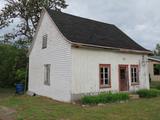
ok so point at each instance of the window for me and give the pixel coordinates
(105, 75)
(134, 74)
(47, 74)
(156, 68)
(44, 41)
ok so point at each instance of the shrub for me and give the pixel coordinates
(13, 60)
(105, 98)
(145, 93)
(20, 75)
(157, 87)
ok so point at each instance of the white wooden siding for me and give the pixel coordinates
(58, 54)
(85, 65)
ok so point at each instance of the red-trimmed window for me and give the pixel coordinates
(134, 74)
(105, 75)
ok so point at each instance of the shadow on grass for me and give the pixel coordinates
(6, 92)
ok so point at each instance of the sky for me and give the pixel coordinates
(140, 19)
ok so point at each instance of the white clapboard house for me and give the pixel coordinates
(72, 56)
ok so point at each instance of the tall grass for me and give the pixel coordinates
(145, 93)
(105, 98)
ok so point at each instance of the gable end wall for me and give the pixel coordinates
(58, 54)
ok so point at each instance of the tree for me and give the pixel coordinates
(13, 63)
(29, 13)
(157, 50)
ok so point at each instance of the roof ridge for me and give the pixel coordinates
(90, 19)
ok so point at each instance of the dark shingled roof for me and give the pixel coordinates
(86, 31)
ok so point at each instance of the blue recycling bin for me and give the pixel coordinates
(20, 88)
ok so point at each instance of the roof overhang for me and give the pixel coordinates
(77, 45)
(153, 59)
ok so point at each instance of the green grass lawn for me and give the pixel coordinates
(40, 108)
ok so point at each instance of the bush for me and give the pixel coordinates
(13, 62)
(105, 98)
(145, 93)
(20, 76)
(157, 87)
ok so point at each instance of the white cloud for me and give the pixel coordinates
(2, 4)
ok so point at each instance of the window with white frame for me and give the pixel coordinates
(47, 74)
(134, 74)
(44, 41)
(105, 75)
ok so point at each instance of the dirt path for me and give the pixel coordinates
(7, 113)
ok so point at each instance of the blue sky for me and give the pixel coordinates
(137, 18)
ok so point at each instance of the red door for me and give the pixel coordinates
(123, 78)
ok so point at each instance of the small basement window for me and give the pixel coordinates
(105, 75)
(44, 41)
(134, 74)
(156, 69)
(47, 74)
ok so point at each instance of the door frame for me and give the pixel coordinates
(127, 68)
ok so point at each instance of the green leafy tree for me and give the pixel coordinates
(28, 11)
(13, 63)
(157, 50)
